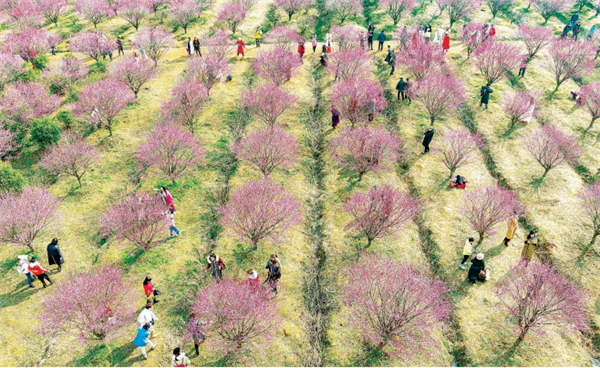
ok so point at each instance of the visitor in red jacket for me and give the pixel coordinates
(150, 292)
(215, 265)
(253, 279)
(36, 268)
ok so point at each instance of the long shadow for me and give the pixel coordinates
(370, 356)
(19, 295)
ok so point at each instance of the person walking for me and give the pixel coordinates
(324, 49)
(323, 59)
(523, 67)
(179, 359)
(197, 331)
(566, 30)
(53, 50)
(274, 272)
(485, 95)
(468, 249)
(529, 247)
(143, 338)
(476, 269)
(189, 47)
(437, 37)
(335, 117)
(574, 18)
(257, 36)
(428, 136)
(147, 316)
(408, 84)
(55, 257)
(492, 31)
(197, 47)
(301, 50)
(428, 32)
(241, 47)
(576, 30)
(380, 40)
(446, 43)
(513, 221)
(361, 40)
(401, 88)
(23, 268)
(313, 42)
(216, 266)
(253, 279)
(328, 41)
(150, 291)
(120, 47)
(392, 59)
(591, 33)
(370, 34)
(171, 219)
(40, 272)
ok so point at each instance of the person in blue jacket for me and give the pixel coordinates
(381, 40)
(143, 338)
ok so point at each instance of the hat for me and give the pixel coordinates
(479, 256)
(34, 258)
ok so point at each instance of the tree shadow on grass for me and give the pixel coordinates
(369, 356)
(101, 356)
(496, 251)
(21, 293)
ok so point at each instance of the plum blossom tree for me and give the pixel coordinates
(535, 38)
(92, 43)
(536, 295)
(23, 216)
(421, 58)
(380, 212)
(550, 148)
(516, 105)
(72, 156)
(218, 45)
(459, 148)
(98, 304)
(290, 7)
(579, 4)
(240, 316)
(186, 104)
(22, 13)
(276, 65)
(494, 59)
(155, 42)
(95, 11)
(357, 99)
(260, 209)
(268, 102)
(471, 36)
(134, 11)
(53, 9)
(349, 64)
(395, 306)
(172, 150)
(344, 8)
(486, 207)
(133, 72)
(11, 67)
(590, 99)
(549, 8)
(397, 8)
(208, 70)
(365, 149)
(284, 37)
(500, 6)
(184, 12)
(23, 102)
(459, 9)
(590, 209)
(66, 72)
(439, 93)
(267, 149)
(347, 37)
(100, 103)
(248, 4)
(139, 219)
(569, 58)
(232, 14)
(157, 3)
(7, 144)
(30, 42)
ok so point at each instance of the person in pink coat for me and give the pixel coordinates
(241, 47)
(446, 43)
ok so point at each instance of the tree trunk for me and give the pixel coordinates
(369, 241)
(78, 180)
(480, 240)
(360, 176)
(592, 242)
(30, 247)
(589, 127)
(109, 130)
(290, 16)
(544, 175)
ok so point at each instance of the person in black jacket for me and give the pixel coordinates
(381, 40)
(55, 257)
(427, 139)
(477, 266)
(197, 46)
(370, 34)
(401, 88)
(485, 95)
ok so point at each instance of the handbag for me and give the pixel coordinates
(157, 292)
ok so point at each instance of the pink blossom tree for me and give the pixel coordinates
(7, 144)
(535, 38)
(185, 106)
(439, 93)
(184, 12)
(53, 9)
(276, 65)
(92, 43)
(550, 148)
(100, 103)
(218, 45)
(518, 104)
(459, 9)
(397, 8)
(139, 219)
(590, 99)
(155, 42)
(66, 72)
(260, 209)
(239, 316)
(549, 8)
(284, 37)
(23, 102)
(344, 8)
(471, 36)
(134, 11)
(380, 212)
(349, 64)
(98, 304)
(365, 149)
(208, 70)
(590, 209)
(30, 42)
(569, 58)
(290, 7)
(23, 216)
(536, 295)
(22, 13)
(72, 156)
(421, 58)
(267, 149)
(459, 148)
(233, 14)
(394, 306)
(486, 207)
(357, 99)
(268, 102)
(172, 150)
(95, 11)
(157, 3)
(500, 6)
(494, 59)
(11, 67)
(133, 72)
(347, 37)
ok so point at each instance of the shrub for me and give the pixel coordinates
(44, 132)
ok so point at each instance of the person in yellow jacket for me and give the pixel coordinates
(468, 249)
(512, 227)
(257, 36)
(529, 247)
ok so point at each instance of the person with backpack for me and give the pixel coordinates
(381, 40)
(197, 332)
(529, 247)
(150, 291)
(485, 95)
(468, 249)
(40, 272)
(428, 136)
(215, 265)
(513, 221)
(477, 270)
(55, 257)
(23, 268)
(274, 272)
(143, 338)
(179, 359)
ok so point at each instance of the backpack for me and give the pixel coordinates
(482, 92)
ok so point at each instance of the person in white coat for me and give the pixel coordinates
(23, 268)
(148, 316)
(437, 37)
(190, 46)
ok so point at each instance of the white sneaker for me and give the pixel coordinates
(462, 266)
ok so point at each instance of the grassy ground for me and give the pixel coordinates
(177, 265)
